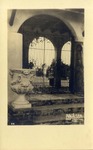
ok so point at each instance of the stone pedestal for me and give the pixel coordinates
(21, 83)
(21, 102)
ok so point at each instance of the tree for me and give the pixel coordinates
(64, 70)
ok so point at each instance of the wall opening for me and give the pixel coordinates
(41, 56)
(65, 64)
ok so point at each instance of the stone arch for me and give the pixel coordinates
(52, 15)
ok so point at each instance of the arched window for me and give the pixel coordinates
(66, 53)
(65, 61)
(41, 51)
(41, 56)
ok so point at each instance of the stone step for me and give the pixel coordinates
(59, 119)
(62, 106)
(50, 109)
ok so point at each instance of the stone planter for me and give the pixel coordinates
(21, 83)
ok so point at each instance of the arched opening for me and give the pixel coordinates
(53, 29)
(65, 64)
(40, 51)
(41, 55)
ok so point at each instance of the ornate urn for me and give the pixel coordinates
(21, 83)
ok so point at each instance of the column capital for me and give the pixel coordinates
(78, 42)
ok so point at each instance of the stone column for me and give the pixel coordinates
(15, 50)
(58, 67)
(79, 69)
(77, 79)
(72, 68)
(26, 43)
(14, 57)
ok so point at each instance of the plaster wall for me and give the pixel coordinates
(14, 50)
(14, 58)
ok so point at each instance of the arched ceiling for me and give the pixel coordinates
(48, 26)
(42, 23)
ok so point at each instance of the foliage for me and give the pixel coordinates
(64, 70)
